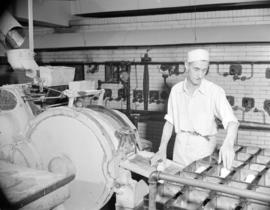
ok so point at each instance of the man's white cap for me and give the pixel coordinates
(198, 55)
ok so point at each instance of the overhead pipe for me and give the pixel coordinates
(153, 62)
(156, 176)
(254, 126)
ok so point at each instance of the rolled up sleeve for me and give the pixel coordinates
(169, 115)
(223, 109)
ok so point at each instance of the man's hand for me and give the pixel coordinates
(158, 157)
(226, 154)
(162, 151)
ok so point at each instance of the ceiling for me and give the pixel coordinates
(53, 13)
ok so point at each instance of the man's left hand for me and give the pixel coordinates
(226, 154)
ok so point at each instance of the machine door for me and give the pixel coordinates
(88, 140)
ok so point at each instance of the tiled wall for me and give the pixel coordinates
(257, 87)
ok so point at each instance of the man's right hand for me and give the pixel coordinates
(160, 156)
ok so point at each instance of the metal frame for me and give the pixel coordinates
(244, 194)
(156, 176)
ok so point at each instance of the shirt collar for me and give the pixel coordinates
(202, 87)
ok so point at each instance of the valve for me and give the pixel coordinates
(267, 73)
(92, 68)
(124, 76)
(248, 103)
(243, 78)
(154, 96)
(164, 95)
(108, 94)
(266, 106)
(235, 69)
(170, 69)
(121, 95)
(137, 96)
(146, 57)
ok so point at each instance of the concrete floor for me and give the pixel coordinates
(110, 205)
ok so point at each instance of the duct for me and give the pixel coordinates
(11, 32)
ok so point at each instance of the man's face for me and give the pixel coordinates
(197, 71)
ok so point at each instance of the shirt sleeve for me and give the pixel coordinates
(169, 115)
(223, 109)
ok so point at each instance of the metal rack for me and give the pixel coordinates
(202, 186)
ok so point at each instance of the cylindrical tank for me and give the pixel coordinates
(89, 137)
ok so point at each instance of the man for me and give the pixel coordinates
(193, 106)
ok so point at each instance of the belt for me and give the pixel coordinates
(195, 133)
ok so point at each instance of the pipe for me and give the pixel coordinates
(127, 89)
(218, 70)
(263, 114)
(30, 23)
(152, 62)
(254, 126)
(155, 176)
(251, 72)
(146, 86)
(216, 187)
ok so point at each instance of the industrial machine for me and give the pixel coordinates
(88, 142)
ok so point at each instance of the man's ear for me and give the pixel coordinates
(186, 65)
(207, 71)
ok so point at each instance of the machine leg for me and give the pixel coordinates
(129, 192)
